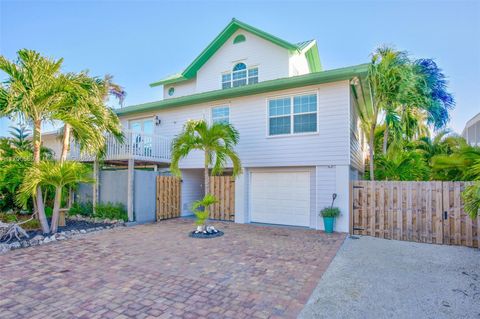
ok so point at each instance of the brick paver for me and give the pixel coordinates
(156, 271)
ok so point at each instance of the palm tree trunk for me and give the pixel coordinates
(371, 146)
(37, 140)
(58, 192)
(207, 184)
(65, 142)
(56, 209)
(385, 140)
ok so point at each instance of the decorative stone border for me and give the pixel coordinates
(41, 240)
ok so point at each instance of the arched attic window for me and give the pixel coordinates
(239, 75)
(239, 38)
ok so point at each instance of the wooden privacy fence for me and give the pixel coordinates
(430, 212)
(223, 188)
(168, 197)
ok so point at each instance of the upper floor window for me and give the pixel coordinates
(292, 115)
(240, 76)
(239, 38)
(221, 114)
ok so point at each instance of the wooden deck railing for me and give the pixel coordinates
(139, 146)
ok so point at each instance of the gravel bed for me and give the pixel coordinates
(75, 225)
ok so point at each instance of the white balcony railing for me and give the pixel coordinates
(139, 146)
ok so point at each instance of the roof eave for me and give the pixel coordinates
(262, 87)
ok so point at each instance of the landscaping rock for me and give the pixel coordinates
(15, 245)
(83, 231)
(4, 248)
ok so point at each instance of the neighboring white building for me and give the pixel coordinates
(471, 132)
(300, 140)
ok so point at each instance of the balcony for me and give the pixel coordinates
(138, 146)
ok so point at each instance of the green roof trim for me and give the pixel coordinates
(313, 59)
(346, 73)
(215, 45)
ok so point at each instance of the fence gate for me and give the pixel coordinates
(223, 188)
(168, 197)
(430, 212)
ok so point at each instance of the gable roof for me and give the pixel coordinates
(226, 33)
(347, 73)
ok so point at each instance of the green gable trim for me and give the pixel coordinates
(313, 59)
(215, 45)
(261, 87)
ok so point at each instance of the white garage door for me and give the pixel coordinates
(280, 198)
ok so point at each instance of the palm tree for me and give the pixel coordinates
(387, 74)
(37, 91)
(216, 141)
(32, 92)
(53, 174)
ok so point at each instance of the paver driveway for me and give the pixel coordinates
(157, 271)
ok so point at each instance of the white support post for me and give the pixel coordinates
(130, 189)
(96, 184)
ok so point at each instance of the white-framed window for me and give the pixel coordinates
(292, 115)
(221, 114)
(240, 76)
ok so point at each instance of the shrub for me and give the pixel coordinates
(48, 212)
(8, 218)
(330, 212)
(200, 208)
(84, 209)
(12, 218)
(31, 225)
(111, 211)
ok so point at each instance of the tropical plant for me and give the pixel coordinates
(401, 165)
(330, 212)
(471, 196)
(36, 91)
(15, 158)
(387, 74)
(201, 209)
(111, 211)
(32, 92)
(57, 175)
(216, 141)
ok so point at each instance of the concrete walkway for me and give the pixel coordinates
(378, 278)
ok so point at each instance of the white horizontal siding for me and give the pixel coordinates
(330, 146)
(181, 89)
(325, 187)
(271, 59)
(357, 155)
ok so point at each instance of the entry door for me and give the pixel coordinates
(280, 198)
(143, 139)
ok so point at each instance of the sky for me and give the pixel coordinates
(139, 42)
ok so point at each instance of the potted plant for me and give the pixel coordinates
(329, 214)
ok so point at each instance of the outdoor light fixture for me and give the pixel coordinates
(158, 121)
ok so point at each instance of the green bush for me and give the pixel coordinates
(8, 218)
(48, 212)
(111, 211)
(330, 212)
(84, 209)
(31, 225)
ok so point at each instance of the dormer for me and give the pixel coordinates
(242, 55)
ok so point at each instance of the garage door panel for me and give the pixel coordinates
(281, 198)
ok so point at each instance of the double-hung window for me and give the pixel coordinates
(292, 115)
(239, 76)
(221, 114)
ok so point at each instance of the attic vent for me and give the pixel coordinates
(239, 38)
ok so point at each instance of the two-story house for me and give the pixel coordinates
(299, 133)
